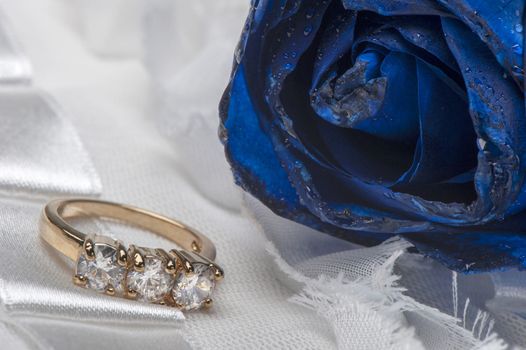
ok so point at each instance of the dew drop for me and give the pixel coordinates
(517, 71)
(518, 28)
(223, 134)
(238, 54)
(481, 143)
(307, 30)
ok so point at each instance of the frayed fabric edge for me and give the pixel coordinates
(375, 305)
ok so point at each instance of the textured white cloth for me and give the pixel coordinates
(109, 102)
(304, 290)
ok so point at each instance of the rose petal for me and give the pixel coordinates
(473, 251)
(397, 119)
(335, 41)
(497, 23)
(250, 151)
(396, 7)
(443, 151)
(497, 108)
(426, 33)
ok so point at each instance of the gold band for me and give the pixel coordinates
(68, 240)
(184, 277)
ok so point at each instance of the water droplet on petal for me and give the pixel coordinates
(518, 28)
(481, 143)
(309, 13)
(307, 30)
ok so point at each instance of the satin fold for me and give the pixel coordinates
(41, 153)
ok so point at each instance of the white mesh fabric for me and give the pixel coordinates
(424, 296)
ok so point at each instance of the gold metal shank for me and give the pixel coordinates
(65, 238)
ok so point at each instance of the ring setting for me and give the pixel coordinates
(182, 278)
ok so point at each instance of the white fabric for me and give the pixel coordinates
(340, 296)
(120, 19)
(37, 142)
(109, 103)
(15, 68)
(189, 52)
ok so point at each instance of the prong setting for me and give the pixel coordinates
(122, 255)
(80, 280)
(218, 272)
(110, 290)
(208, 303)
(180, 278)
(131, 294)
(171, 266)
(137, 259)
(195, 282)
(152, 274)
(98, 265)
(89, 248)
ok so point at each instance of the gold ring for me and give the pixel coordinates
(184, 277)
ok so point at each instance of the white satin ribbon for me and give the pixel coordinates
(41, 153)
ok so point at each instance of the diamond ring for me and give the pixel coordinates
(184, 277)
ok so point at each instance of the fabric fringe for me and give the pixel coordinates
(375, 304)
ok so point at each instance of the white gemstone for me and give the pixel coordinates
(192, 289)
(102, 271)
(153, 283)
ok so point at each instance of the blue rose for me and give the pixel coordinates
(367, 119)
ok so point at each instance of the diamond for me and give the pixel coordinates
(153, 283)
(103, 270)
(192, 289)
